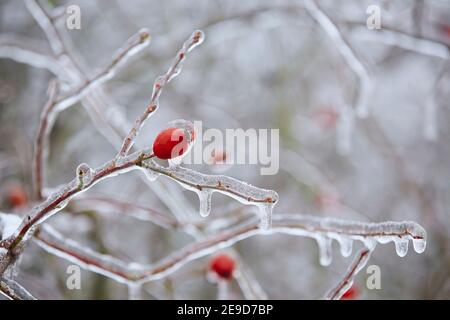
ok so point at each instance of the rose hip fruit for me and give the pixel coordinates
(223, 266)
(171, 143)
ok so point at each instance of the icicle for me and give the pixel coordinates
(134, 291)
(205, 202)
(265, 211)
(222, 290)
(430, 126)
(419, 245)
(401, 247)
(346, 245)
(325, 254)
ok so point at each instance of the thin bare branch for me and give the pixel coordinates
(359, 262)
(347, 52)
(14, 291)
(194, 40)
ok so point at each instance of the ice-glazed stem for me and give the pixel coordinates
(347, 52)
(194, 40)
(298, 225)
(205, 185)
(14, 291)
(359, 262)
(57, 104)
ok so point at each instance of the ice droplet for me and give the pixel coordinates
(401, 247)
(205, 196)
(419, 245)
(325, 254)
(346, 245)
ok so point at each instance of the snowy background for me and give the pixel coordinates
(263, 64)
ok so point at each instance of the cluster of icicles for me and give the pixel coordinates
(325, 230)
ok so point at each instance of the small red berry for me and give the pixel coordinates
(17, 197)
(350, 294)
(171, 143)
(223, 266)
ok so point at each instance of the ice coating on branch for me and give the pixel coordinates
(205, 185)
(345, 232)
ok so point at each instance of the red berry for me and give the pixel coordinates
(171, 143)
(223, 265)
(350, 294)
(17, 197)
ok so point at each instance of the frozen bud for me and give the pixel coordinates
(84, 174)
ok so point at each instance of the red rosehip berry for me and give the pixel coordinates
(17, 197)
(223, 266)
(350, 294)
(171, 143)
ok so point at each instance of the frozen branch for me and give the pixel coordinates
(56, 105)
(133, 45)
(360, 261)
(15, 50)
(390, 36)
(205, 185)
(46, 23)
(194, 40)
(14, 291)
(347, 52)
(343, 231)
(102, 204)
(40, 150)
